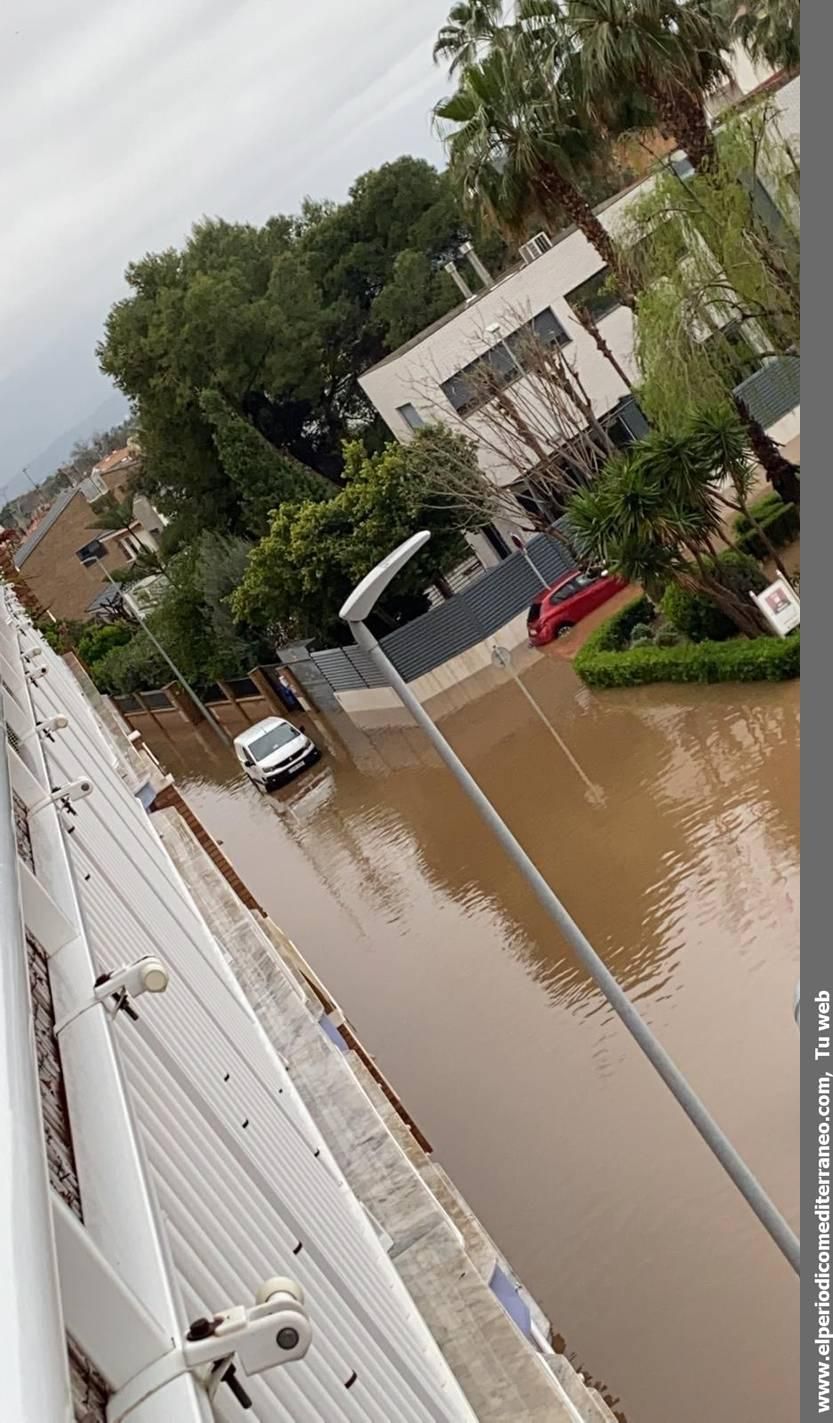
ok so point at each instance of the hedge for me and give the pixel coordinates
(606, 661)
(781, 521)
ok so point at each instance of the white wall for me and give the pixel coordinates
(415, 373)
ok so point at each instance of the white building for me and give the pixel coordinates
(183, 1121)
(430, 377)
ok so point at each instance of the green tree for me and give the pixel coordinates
(135, 666)
(519, 147)
(653, 516)
(193, 621)
(301, 572)
(723, 444)
(471, 25)
(416, 294)
(263, 476)
(278, 322)
(706, 322)
(769, 30)
(96, 642)
(672, 51)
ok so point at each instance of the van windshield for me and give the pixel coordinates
(272, 740)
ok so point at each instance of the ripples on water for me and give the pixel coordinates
(686, 880)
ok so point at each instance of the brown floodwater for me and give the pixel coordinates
(685, 877)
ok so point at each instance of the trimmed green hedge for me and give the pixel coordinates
(781, 521)
(605, 660)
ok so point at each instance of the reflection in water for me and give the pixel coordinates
(536, 1099)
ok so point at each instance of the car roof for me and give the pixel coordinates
(559, 582)
(252, 733)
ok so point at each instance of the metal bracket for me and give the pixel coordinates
(131, 1349)
(146, 975)
(64, 796)
(275, 1331)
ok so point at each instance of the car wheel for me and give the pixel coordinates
(563, 629)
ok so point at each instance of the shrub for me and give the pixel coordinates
(696, 614)
(781, 521)
(641, 632)
(96, 641)
(63, 635)
(667, 637)
(134, 667)
(759, 659)
(614, 633)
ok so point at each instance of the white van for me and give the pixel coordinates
(273, 751)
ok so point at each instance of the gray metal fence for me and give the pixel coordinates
(479, 610)
(773, 391)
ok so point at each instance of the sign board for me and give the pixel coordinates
(780, 605)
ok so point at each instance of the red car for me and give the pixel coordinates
(569, 600)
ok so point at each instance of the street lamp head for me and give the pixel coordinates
(363, 598)
(493, 329)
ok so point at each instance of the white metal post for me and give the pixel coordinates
(355, 610)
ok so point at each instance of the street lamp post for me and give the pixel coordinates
(133, 607)
(354, 612)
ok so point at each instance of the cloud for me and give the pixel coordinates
(121, 124)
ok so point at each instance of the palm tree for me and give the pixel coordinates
(724, 446)
(673, 51)
(653, 517)
(769, 30)
(471, 26)
(518, 144)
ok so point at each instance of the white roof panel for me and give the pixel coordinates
(245, 1185)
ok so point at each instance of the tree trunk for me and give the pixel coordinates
(743, 614)
(682, 118)
(592, 329)
(781, 472)
(741, 505)
(443, 586)
(567, 197)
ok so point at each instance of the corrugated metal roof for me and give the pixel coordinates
(53, 513)
(242, 1174)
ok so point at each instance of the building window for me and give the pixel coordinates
(495, 538)
(478, 382)
(91, 552)
(130, 546)
(598, 295)
(410, 415)
(543, 500)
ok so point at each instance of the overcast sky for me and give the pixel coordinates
(123, 121)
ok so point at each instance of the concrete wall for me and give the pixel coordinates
(787, 431)
(461, 678)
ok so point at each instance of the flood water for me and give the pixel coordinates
(536, 1100)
